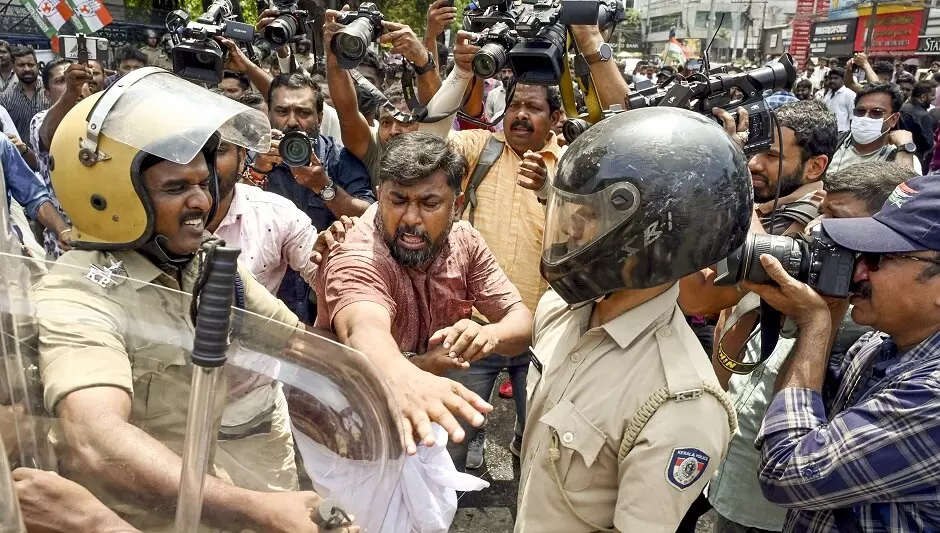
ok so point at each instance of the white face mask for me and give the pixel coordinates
(867, 130)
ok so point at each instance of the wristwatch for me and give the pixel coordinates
(428, 67)
(328, 192)
(910, 148)
(604, 53)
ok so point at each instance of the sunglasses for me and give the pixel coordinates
(873, 260)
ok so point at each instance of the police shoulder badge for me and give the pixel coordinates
(686, 466)
(107, 276)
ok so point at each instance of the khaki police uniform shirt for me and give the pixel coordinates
(593, 382)
(133, 334)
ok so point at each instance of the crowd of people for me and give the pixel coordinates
(448, 252)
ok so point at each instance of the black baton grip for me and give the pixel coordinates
(215, 307)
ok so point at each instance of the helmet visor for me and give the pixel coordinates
(171, 118)
(574, 221)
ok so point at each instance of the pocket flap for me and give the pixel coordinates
(575, 431)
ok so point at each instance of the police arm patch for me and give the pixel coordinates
(686, 466)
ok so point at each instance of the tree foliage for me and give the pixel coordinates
(415, 13)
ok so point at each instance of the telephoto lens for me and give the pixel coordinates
(744, 263)
(351, 43)
(282, 30)
(296, 149)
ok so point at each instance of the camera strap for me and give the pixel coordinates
(769, 320)
(419, 112)
(585, 82)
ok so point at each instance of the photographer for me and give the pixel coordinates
(858, 191)
(809, 137)
(358, 136)
(864, 459)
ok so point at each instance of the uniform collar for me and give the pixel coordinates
(627, 327)
(551, 147)
(141, 271)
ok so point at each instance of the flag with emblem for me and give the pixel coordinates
(92, 15)
(49, 15)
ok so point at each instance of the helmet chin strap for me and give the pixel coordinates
(156, 250)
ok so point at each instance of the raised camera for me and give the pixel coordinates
(815, 260)
(351, 43)
(296, 149)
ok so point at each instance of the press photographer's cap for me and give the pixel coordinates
(909, 221)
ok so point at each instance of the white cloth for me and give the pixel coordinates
(842, 103)
(272, 233)
(8, 127)
(329, 125)
(846, 156)
(424, 500)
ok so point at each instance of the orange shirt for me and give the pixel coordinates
(509, 216)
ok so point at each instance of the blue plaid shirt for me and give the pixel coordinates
(877, 454)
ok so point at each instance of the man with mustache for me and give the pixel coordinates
(7, 76)
(24, 98)
(334, 184)
(858, 191)
(809, 136)
(113, 313)
(852, 446)
(402, 286)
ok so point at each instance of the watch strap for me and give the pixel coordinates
(428, 67)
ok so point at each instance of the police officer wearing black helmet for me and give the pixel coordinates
(630, 419)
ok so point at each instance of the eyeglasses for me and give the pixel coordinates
(873, 260)
(876, 113)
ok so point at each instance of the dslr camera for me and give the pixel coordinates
(296, 149)
(196, 54)
(363, 27)
(290, 25)
(815, 260)
(532, 35)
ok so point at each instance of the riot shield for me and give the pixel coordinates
(96, 350)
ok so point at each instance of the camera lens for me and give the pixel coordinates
(281, 31)
(295, 149)
(489, 60)
(573, 128)
(744, 263)
(350, 43)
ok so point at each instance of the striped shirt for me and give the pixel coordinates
(6, 83)
(22, 108)
(50, 238)
(874, 458)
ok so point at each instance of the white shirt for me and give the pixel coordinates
(329, 125)
(842, 103)
(272, 233)
(495, 102)
(8, 127)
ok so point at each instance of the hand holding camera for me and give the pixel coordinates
(465, 50)
(791, 297)
(404, 42)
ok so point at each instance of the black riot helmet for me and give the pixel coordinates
(643, 198)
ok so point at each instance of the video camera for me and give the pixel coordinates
(531, 35)
(290, 25)
(703, 92)
(351, 43)
(196, 54)
(815, 260)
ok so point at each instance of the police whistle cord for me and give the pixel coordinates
(211, 310)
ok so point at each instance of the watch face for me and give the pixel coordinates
(606, 52)
(328, 193)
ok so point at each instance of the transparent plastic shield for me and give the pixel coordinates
(14, 419)
(104, 341)
(181, 116)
